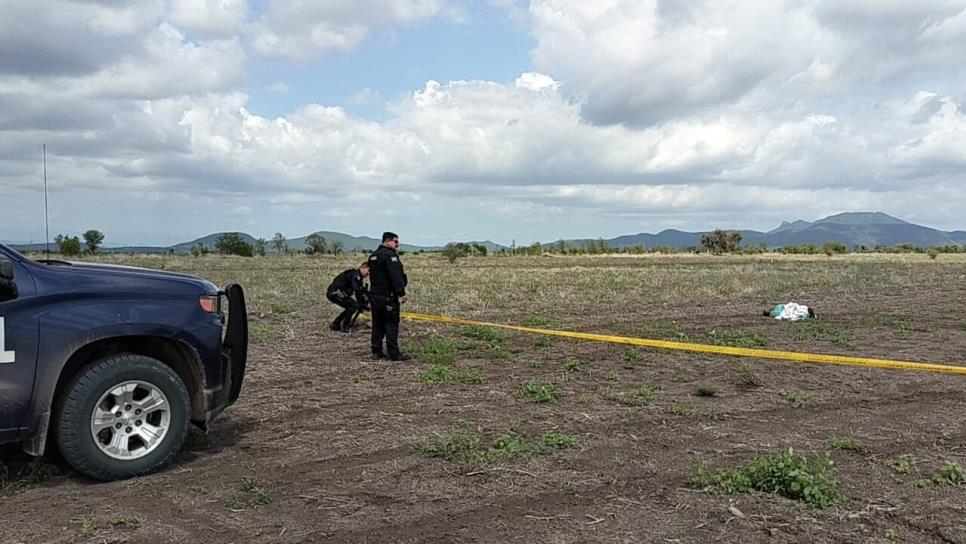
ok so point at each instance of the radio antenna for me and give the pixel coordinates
(46, 216)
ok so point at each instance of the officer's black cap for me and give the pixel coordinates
(387, 236)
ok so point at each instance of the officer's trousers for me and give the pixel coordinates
(350, 305)
(385, 324)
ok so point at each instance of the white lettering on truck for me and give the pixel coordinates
(5, 356)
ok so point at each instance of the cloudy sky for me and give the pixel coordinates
(492, 119)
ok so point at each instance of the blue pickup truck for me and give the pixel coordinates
(112, 364)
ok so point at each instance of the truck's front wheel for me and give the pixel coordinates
(122, 416)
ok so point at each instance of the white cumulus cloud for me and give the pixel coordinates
(690, 112)
(214, 18)
(306, 29)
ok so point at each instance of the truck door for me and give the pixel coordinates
(19, 329)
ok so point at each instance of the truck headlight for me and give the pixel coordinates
(210, 303)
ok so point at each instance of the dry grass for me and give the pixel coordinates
(553, 285)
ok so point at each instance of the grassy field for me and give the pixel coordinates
(573, 284)
(494, 436)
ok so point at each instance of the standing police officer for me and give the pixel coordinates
(387, 291)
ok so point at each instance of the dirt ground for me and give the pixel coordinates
(323, 445)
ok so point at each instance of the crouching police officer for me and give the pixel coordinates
(340, 292)
(387, 292)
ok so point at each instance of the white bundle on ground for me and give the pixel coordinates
(792, 311)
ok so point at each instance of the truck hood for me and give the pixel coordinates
(134, 272)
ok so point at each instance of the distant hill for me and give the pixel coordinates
(853, 229)
(207, 241)
(959, 236)
(32, 247)
(123, 249)
(786, 226)
(364, 243)
(859, 229)
(862, 218)
(867, 229)
(668, 238)
(351, 243)
(491, 247)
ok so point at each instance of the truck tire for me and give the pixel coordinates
(122, 416)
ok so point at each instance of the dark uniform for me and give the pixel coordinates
(388, 283)
(343, 287)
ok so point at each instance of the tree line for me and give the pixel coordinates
(233, 243)
(70, 246)
(717, 242)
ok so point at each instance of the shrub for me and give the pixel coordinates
(232, 243)
(951, 473)
(705, 391)
(744, 374)
(68, 246)
(436, 374)
(573, 366)
(642, 395)
(632, 355)
(809, 480)
(434, 349)
(543, 342)
(798, 400)
(539, 393)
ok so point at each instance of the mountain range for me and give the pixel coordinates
(348, 242)
(854, 229)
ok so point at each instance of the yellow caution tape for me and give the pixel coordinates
(704, 348)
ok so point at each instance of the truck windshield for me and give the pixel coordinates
(12, 253)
